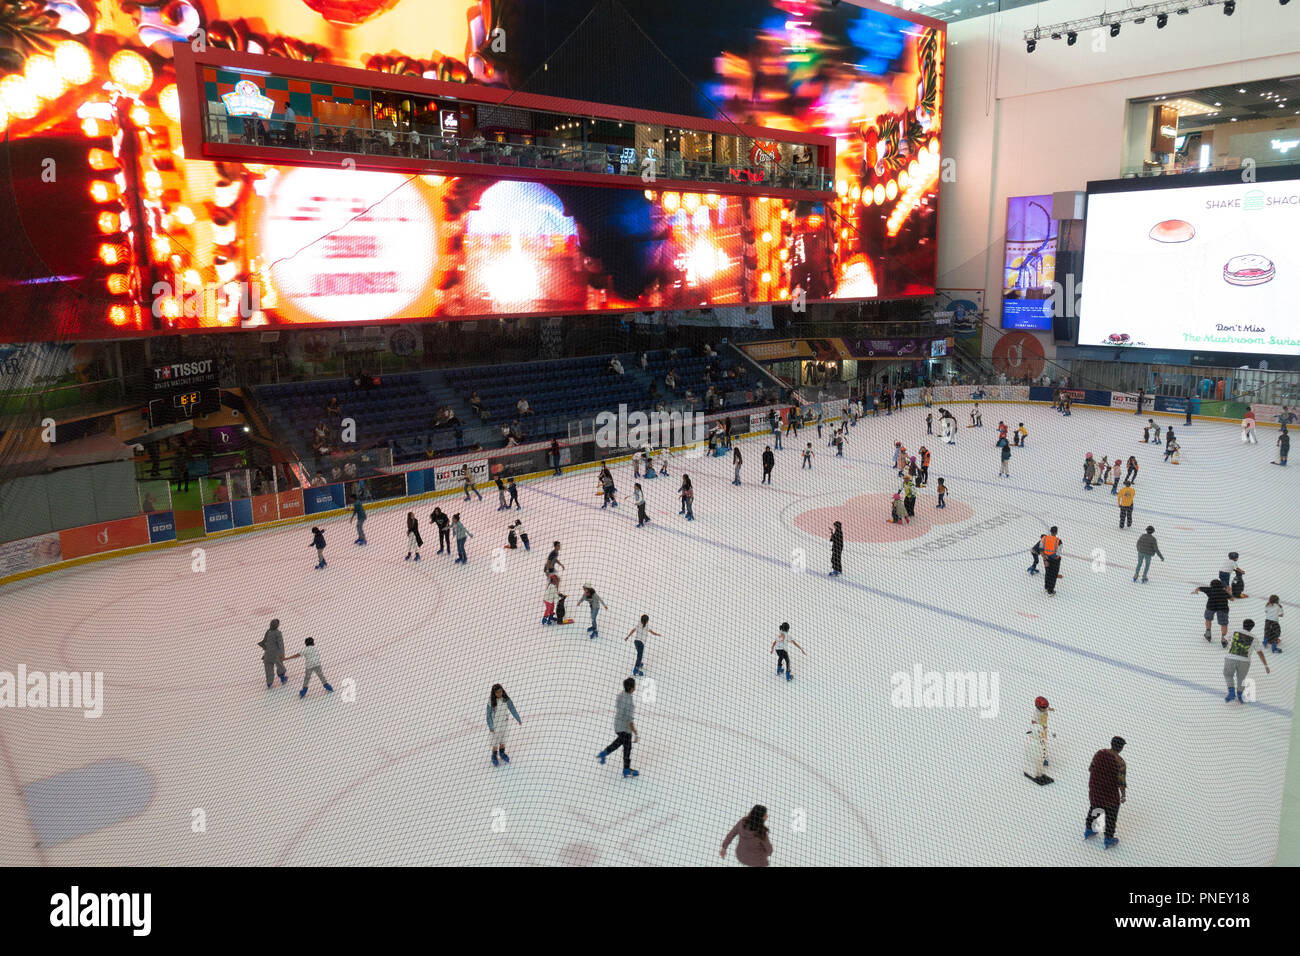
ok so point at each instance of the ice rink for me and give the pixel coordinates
(393, 767)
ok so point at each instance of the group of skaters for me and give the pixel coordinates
(914, 470)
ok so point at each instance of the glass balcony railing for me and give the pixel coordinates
(436, 148)
(1182, 169)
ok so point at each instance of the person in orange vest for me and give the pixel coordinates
(924, 477)
(1051, 560)
(1126, 495)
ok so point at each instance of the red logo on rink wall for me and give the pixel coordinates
(108, 536)
(1019, 355)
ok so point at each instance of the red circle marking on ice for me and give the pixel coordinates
(864, 518)
(1026, 614)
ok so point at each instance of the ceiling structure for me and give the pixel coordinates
(1258, 99)
(950, 10)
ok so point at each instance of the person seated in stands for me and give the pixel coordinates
(645, 362)
(476, 403)
(670, 380)
(517, 430)
(708, 351)
(333, 407)
(320, 436)
(506, 434)
(336, 474)
(319, 480)
(522, 407)
(690, 398)
(615, 366)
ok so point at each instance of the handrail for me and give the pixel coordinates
(430, 147)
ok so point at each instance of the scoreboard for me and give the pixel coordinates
(181, 391)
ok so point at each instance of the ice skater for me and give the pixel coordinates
(753, 844)
(779, 647)
(1273, 623)
(1171, 451)
(807, 457)
(1051, 560)
(898, 510)
(687, 493)
(272, 645)
(1227, 568)
(461, 533)
(551, 597)
(625, 734)
(736, 461)
(553, 560)
(942, 491)
(1116, 467)
(1126, 505)
(929, 423)
(1021, 434)
(1150, 432)
(501, 494)
(318, 542)
(837, 550)
(595, 603)
(413, 540)
(311, 664)
(769, 462)
(643, 633)
(607, 488)
(359, 517)
(1004, 469)
(638, 499)
(1131, 471)
(923, 475)
(1089, 471)
(1107, 789)
(1236, 663)
(1248, 428)
(440, 521)
(1216, 606)
(1146, 547)
(1283, 447)
(469, 486)
(514, 494)
(498, 723)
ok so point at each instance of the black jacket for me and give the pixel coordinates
(440, 519)
(317, 539)
(837, 540)
(769, 460)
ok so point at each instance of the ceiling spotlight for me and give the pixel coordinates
(1182, 12)
(1070, 38)
(1031, 46)
(1284, 2)
(1229, 8)
(1140, 20)
(1161, 20)
(1056, 36)
(1114, 29)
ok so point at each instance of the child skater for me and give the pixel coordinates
(1089, 471)
(1248, 428)
(514, 494)
(1116, 467)
(779, 646)
(596, 603)
(909, 499)
(561, 613)
(549, 597)
(929, 423)
(1273, 623)
(318, 542)
(499, 722)
(900, 510)
(688, 498)
(501, 494)
(517, 529)
(807, 457)
(638, 499)
(413, 540)
(1021, 435)
(737, 461)
(941, 490)
(311, 662)
(642, 632)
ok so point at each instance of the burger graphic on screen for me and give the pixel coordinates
(1172, 230)
(1248, 270)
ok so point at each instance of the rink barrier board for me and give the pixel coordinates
(305, 518)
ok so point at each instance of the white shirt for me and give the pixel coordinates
(1272, 612)
(782, 640)
(642, 633)
(311, 657)
(1228, 566)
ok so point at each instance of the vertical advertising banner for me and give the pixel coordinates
(162, 527)
(1029, 264)
(290, 503)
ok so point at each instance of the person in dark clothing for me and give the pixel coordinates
(837, 550)
(1107, 789)
(1051, 560)
(181, 467)
(553, 560)
(1216, 606)
(898, 397)
(1141, 398)
(514, 494)
(687, 493)
(443, 524)
(554, 455)
(153, 459)
(769, 460)
(318, 542)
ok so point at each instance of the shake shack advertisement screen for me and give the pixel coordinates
(1212, 267)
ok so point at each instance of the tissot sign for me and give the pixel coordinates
(166, 378)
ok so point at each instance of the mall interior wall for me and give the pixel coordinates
(1018, 123)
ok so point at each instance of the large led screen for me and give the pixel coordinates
(1029, 264)
(114, 231)
(1209, 267)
